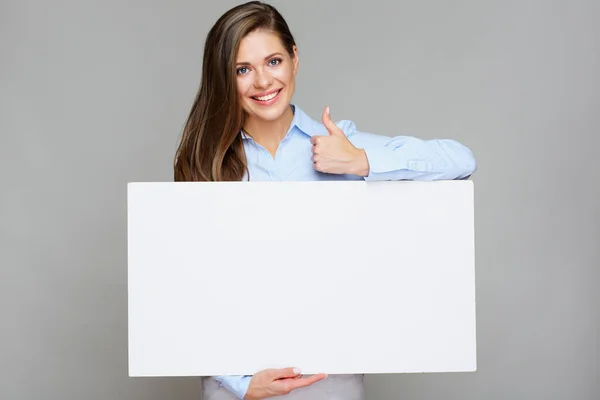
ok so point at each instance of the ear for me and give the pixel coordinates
(296, 60)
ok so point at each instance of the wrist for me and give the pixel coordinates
(251, 394)
(361, 165)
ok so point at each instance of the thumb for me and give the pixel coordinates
(330, 125)
(286, 373)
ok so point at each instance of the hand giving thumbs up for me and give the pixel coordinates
(334, 154)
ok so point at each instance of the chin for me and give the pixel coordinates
(270, 113)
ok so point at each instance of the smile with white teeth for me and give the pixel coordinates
(268, 97)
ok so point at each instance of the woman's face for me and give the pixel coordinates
(265, 75)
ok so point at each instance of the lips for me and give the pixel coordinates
(267, 96)
(267, 99)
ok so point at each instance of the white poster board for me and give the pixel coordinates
(336, 277)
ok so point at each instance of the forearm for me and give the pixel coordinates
(409, 158)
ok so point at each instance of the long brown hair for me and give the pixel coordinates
(211, 147)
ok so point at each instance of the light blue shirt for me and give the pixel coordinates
(390, 158)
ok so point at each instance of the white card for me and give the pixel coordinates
(231, 278)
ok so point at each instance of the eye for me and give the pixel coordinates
(241, 70)
(275, 61)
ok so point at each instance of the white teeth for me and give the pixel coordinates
(267, 98)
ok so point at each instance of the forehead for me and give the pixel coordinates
(257, 45)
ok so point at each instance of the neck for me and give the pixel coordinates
(269, 132)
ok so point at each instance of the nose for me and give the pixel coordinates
(262, 79)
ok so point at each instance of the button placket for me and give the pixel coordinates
(276, 164)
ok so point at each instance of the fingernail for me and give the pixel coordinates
(327, 110)
(297, 371)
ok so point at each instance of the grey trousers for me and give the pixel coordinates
(334, 387)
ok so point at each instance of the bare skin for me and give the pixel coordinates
(277, 382)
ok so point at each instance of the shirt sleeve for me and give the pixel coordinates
(410, 158)
(236, 384)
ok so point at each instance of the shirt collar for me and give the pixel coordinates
(301, 121)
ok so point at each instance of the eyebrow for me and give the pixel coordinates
(266, 58)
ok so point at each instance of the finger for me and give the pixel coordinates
(285, 373)
(305, 381)
(330, 125)
(318, 166)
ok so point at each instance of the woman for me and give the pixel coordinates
(242, 126)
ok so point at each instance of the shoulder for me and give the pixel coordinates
(315, 127)
(347, 126)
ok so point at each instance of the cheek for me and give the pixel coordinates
(286, 75)
(243, 87)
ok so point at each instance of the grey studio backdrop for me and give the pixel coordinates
(95, 93)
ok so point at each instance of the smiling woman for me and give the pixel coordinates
(266, 85)
(244, 126)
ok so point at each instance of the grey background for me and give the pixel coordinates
(94, 95)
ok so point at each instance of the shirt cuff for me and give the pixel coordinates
(387, 164)
(236, 384)
(379, 163)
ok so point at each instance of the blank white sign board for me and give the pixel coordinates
(230, 278)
